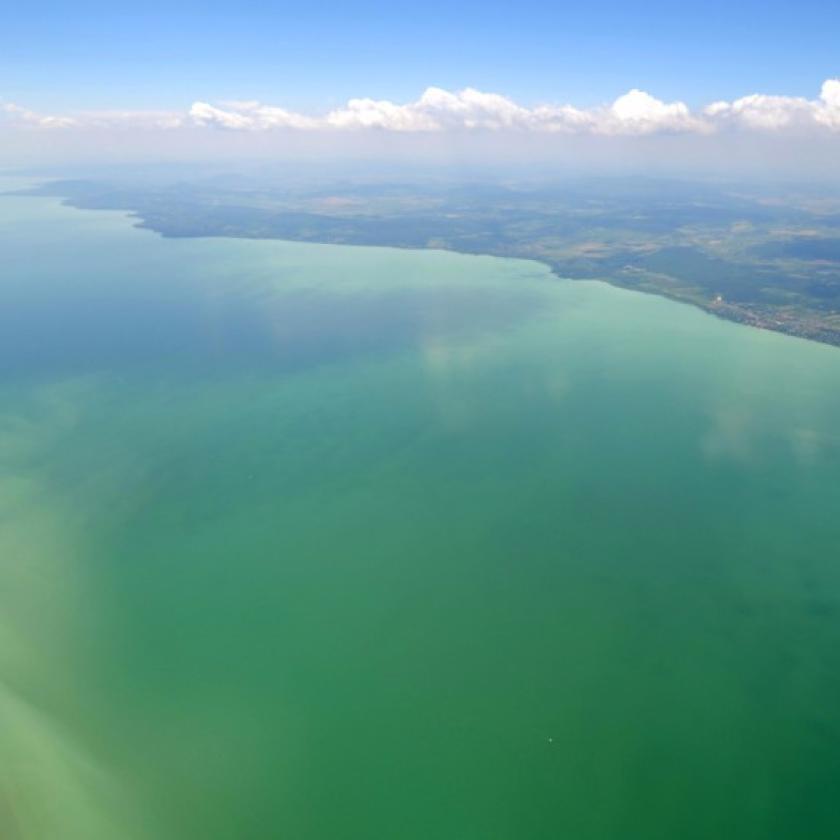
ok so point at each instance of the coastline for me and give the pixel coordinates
(772, 319)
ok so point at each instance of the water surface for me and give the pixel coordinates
(315, 542)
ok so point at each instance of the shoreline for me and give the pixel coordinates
(734, 313)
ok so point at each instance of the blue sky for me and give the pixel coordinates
(312, 56)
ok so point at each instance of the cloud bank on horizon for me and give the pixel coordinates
(635, 113)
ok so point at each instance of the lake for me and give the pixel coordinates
(320, 542)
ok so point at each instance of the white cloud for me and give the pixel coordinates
(632, 114)
(467, 110)
(828, 112)
(638, 112)
(23, 116)
(635, 113)
(759, 111)
(436, 110)
(248, 116)
(773, 113)
(20, 116)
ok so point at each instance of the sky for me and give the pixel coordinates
(618, 68)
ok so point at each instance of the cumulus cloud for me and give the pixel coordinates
(437, 110)
(760, 111)
(635, 113)
(148, 120)
(17, 114)
(828, 110)
(638, 112)
(248, 116)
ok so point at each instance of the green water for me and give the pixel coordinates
(327, 543)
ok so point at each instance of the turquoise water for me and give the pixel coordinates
(319, 542)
